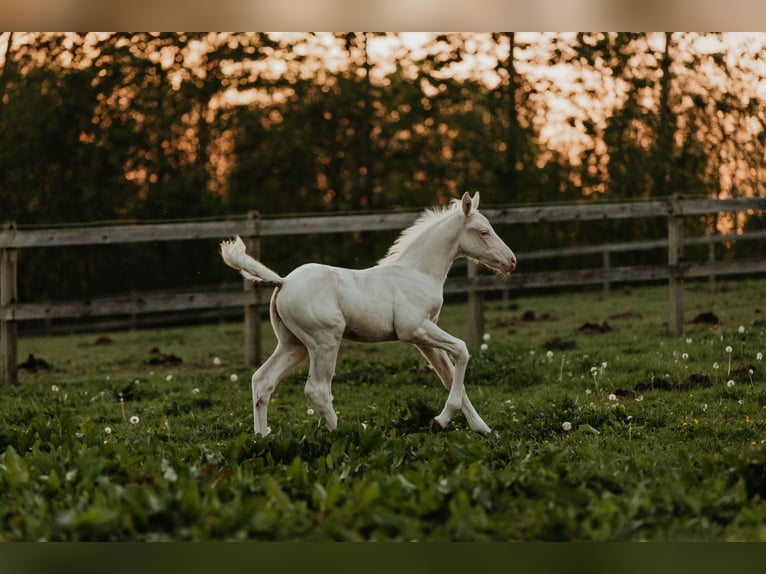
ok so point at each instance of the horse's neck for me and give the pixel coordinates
(434, 251)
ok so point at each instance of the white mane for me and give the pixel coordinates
(411, 234)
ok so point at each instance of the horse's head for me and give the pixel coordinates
(478, 241)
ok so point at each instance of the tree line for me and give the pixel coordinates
(142, 126)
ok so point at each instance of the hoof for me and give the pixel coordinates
(436, 427)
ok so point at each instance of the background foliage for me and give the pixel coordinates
(137, 126)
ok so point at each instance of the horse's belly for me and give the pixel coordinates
(366, 330)
(368, 319)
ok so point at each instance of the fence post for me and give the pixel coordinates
(8, 296)
(675, 256)
(475, 310)
(252, 322)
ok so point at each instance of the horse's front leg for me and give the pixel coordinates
(439, 360)
(323, 354)
(429, 334)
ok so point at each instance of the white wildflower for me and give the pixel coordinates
(741, 329)
(134, 420)
(169, 378)
(730, 383)
(486, 337)
(549, 354)
(170, 474)
(685, 356)
(728, 349)
(55, 388)
(195, 391)
(310, 412)
(483, 347)
(233, 377)
(108, 430)
(567, 426)
(612, 397)
(759, 356)
(715, 365)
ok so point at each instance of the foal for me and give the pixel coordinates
(316, 306)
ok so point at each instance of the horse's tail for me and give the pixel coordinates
(235, 256)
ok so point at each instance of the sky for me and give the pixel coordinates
(390, 15)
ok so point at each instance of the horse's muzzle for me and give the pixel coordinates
(509, 264)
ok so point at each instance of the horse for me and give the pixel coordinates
(316, 306)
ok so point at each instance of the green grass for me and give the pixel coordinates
(626, 434)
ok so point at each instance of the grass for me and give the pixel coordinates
(605, 428)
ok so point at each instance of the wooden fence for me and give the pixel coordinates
(253, 228)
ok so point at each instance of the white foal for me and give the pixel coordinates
(316, 306)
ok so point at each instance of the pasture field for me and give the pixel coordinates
(604, 428)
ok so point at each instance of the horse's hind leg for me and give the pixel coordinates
(289, 352)
(285, 357)
(446, 371)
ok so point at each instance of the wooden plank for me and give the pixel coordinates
(185, 301)
(708, 206)
(542, 279)
(115, 234)
(337, 224)
(638, 245)
(191, 301)
(577, 212)
(739, 267)
(219, 229)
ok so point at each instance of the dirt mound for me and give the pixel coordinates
(707, 318)
(161, 358)
(693, 381)
(33, 364)
(593, 328)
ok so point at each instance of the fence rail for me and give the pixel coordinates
(253, 227)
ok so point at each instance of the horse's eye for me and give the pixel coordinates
(484, 232)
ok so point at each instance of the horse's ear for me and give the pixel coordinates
(467, 204)
(475, 200)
